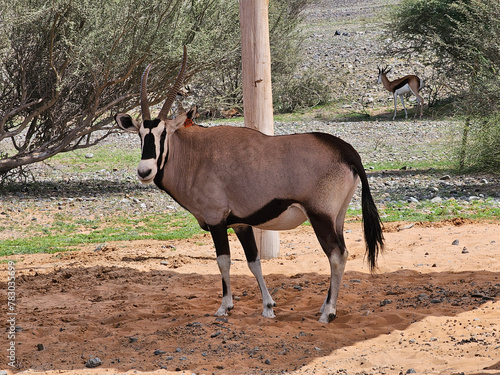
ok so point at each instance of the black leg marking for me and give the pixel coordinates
(224, 288)
(247, 239)
(219, 236)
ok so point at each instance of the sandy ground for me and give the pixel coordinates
(432, 307)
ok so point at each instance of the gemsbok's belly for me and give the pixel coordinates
(291, 218)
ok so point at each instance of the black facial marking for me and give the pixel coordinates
(162, 148)
(150, 124)
(148, 147)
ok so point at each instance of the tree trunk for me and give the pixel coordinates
(257, 91)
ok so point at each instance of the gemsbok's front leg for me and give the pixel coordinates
(221, 242)
(247, 239)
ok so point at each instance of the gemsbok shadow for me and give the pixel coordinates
(164, 319)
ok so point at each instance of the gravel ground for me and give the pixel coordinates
(403, 143)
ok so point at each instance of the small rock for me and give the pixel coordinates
(89, 155)
(215, 334)
(385, 302)
(100, 247)
(93, 362)
(437, 200)
(465, 251)
(159, 352)
(422, 297)
(445, 178)
(455, 242)
(411, 371)
(267, 362)
(40, 347)
(132, 339)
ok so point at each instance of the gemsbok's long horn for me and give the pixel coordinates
(146, 115)
(173, 92)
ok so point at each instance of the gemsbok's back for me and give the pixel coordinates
(231, 177)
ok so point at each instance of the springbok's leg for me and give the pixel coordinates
(395, 105)
(221, 242)
(333, 245)
(420, 101)
(404, 107)
(247, 239)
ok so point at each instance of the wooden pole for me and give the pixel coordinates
(257, 91)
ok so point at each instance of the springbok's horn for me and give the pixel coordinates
(173, 92)
(146, 115)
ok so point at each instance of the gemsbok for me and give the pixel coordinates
(235, 177)
(401, 86)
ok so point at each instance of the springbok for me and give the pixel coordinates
(401, 86)
(234, 177)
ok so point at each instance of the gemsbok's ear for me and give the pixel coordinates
(127, 123)
(191, 114)
(176, 123)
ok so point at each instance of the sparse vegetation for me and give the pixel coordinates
(460, 40)
(67, 67)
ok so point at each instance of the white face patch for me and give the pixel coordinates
(151, 139)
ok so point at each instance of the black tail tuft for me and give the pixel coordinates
(371, 223)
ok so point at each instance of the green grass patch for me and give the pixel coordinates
(64, 234)
(433, 212)
(439, 164)
(103, 157)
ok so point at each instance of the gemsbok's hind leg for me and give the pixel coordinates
(333, 245)
(247, 239)
(221, 242)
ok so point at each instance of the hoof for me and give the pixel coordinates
(269, 314)
(327, 318)
(223, 311)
